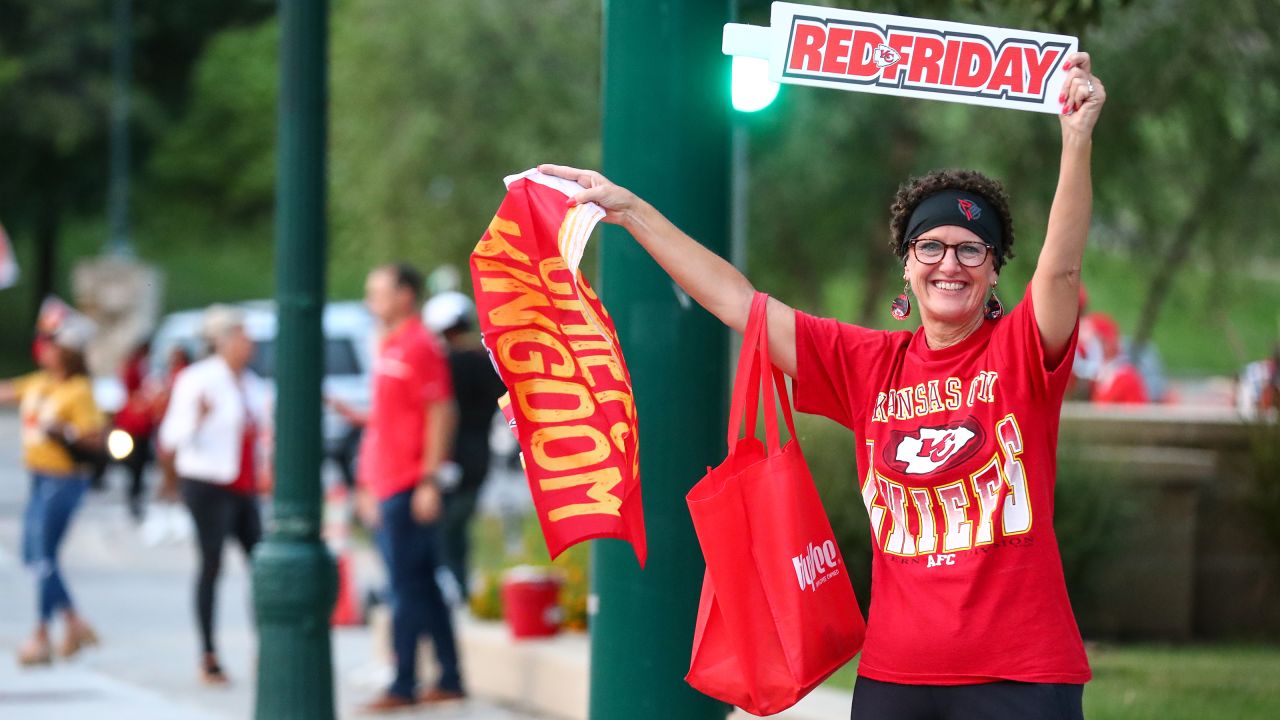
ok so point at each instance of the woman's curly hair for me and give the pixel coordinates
(916, 189)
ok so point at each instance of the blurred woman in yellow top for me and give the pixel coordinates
(60, 424)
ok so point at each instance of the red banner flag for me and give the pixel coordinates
(556, 349)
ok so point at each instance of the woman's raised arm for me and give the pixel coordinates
(713, 282)
(1055, 287)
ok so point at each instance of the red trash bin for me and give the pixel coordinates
(530, 602)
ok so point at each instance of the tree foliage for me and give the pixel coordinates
(432, 102)
(55, 97)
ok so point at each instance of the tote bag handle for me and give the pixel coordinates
(749, 382)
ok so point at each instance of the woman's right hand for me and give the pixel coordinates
(618, 203)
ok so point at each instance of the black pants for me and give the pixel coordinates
(875, 700)
(346, 454)
(459, 508)
(217, 512)
(136, 464)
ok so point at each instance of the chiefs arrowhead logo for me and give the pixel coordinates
(884, 56)
(930, 449)
(970, 209)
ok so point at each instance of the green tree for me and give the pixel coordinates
(433, 103)
(55, 92)
(1187, 144)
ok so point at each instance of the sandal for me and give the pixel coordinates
(79, 636)
(211, 673)
(35, 651)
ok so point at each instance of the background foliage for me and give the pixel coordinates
(432, 102)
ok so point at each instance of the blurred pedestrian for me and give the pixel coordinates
(407, 433)
(476, 387)
(1088, 353)
(1117, 380)
(178, 361)
(212, 426)
(61, 432)
(1258, 391)
(137, 418)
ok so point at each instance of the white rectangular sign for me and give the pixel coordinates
(910, 57)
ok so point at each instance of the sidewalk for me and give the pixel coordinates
(139, 599)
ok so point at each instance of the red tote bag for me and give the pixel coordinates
(777, 614)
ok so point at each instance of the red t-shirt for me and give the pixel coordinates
(957, 451)
(409, 372)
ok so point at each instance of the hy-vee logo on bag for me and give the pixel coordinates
(816, 565)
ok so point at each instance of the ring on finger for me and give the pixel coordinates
(1089, 85)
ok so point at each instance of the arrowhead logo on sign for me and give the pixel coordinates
(910, 57)
(885, 56)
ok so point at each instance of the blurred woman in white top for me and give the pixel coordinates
(215, 416)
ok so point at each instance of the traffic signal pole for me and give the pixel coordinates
(294, 580)
(666, 137)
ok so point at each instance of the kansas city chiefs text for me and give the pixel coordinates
(953, 63)
(935, 396)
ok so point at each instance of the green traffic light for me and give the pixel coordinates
(752, 89)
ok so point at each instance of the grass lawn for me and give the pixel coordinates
(1153, 682)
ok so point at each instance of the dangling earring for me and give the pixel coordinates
(901, 308)
(995, 310)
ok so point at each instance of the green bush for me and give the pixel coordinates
(492, 558)
(1091, 512)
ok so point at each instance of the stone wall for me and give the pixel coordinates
(1195, 562)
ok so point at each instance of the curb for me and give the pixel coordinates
(551, 676)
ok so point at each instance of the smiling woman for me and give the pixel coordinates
(945, 225)
(957, 426)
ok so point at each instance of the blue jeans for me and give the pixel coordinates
(53, 500)
(412, 554)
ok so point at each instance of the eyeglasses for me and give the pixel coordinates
(931, 252)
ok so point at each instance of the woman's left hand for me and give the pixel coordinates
(1082, 96)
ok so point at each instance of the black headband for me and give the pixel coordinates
(962, 209)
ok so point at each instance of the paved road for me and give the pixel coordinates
(139, 598)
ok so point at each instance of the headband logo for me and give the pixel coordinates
(970, 209)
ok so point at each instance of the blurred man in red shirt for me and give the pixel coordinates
(407, 436)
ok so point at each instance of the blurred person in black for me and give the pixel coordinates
(476, 388)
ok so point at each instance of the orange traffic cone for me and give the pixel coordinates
(346, 611)
(337, 531)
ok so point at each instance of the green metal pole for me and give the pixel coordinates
(121, 81)
(666, 137)
(294, 579)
